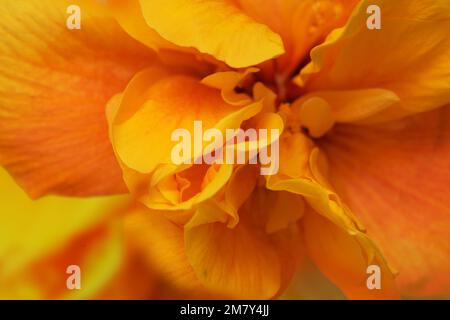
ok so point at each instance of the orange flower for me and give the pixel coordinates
(363, 155)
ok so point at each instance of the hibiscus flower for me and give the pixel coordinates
(363, 152)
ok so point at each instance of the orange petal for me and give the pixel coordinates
(129, 15)
(162, 244)
(244, 261)
(283, 209)
(300, 175)
(301, 24)
(395, 178)
(356, 57)
(339, 256)
(134, 280)
(55, 84)
(239, 261)
(238, 189)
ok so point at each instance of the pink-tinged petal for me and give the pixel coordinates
(395, 177)
(339, 256)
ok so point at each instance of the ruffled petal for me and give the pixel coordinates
(184, 189)
(301, 24)
(356, 57)
(300, 176)
(165, 102)
(243, 261)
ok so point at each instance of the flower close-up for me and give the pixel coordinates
(225, 149)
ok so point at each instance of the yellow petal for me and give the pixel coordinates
(168, 194)
(227, 81)
(316, 116)
(294, 154)
(273, 126)
(261, 92)
(299, 176)
(38, 243)
(347, 105)
(408, 56)
(213, 27)
(166, 103)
